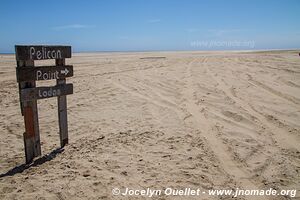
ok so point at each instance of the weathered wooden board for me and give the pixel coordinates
(30, 113)
(37, 52)
(46, 92)
(44, 73)
(62, 110)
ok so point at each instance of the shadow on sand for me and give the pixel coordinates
(37, 162)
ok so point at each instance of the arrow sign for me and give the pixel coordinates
(65, 71)
(44, 73)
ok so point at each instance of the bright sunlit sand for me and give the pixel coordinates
(178, 119)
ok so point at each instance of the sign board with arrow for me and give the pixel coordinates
(44, 73)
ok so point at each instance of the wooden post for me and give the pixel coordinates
(62, 109)
(30, 113)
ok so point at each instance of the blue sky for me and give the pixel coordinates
(140, 25)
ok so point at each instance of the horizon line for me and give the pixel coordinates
(193, 50)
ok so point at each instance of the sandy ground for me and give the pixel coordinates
(207, 120)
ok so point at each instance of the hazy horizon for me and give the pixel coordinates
(228, 50)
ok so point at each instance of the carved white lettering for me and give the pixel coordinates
(32, 52)
(44, 53)
(46, 75)
(49, 93)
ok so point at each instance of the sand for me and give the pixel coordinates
(208, 120)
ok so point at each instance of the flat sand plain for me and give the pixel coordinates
(207, 120)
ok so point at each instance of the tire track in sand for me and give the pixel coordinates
(272, 91)
(284, 140)
(164, 103)
(229, 165)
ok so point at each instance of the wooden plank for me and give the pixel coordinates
(29, 124)
(44, 73)
(38, 52)
(30, 112)
(29, 144)
(30, 94)
(62, 110)
(21, 85)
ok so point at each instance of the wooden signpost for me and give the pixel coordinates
(27, 75)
